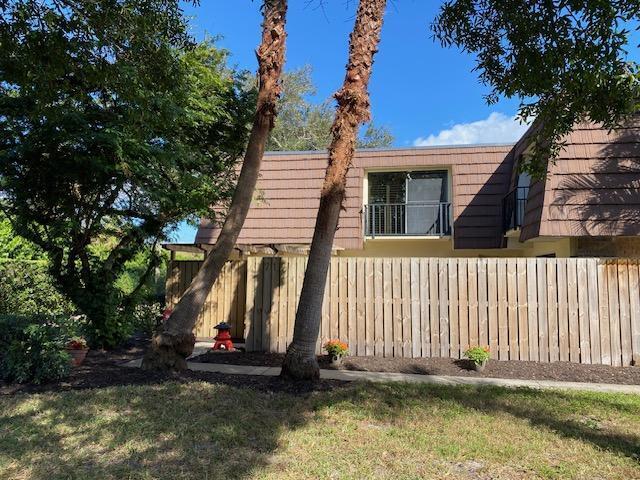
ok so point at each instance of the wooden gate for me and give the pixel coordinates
(225, 303)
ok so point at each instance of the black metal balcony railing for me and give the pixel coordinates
(513, 206)
(396, 219)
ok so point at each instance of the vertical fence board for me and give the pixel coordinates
(416, 339)
(563, 310)
(583, 312)
(434, 314)
(369, 300)
(333, 320)
(406, 309)
(483, 304)
(523, 319)
(283, 305)
(574, 323)
(532, 301)
(378, 308)
(492, 289)
(634, 298)
(361, 330)
(388, 308)
(603, 304)
(614, 313)
(343, 332)
(463, 305)
(396, 288)
(425, 327)
(503, 320)
(543, 325)
(594, 310)
(249, 322)
(472, 265)
(443, 306)
(552, 309)
(454, 329)
(625, 312)
(274, 334)
(512, 307)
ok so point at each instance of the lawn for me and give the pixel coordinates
(206, 430)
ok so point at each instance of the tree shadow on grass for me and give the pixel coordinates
(198, 429)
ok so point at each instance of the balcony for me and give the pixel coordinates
(513, 208)
(407, 219)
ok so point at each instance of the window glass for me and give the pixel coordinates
(387, 187)
(427, 187)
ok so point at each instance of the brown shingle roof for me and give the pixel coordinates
(289, 187)
(593, 188)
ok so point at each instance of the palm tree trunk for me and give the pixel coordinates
(353, 110)
(174, 341)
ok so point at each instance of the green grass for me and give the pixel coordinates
(206, 431)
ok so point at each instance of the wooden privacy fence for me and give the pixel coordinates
(225, 303)
(584, 310)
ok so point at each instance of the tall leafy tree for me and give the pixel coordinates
(113, 124)
(353, 110)
(566, 60)
(175, 340)
(304, 125)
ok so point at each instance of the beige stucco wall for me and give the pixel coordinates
(443, 247)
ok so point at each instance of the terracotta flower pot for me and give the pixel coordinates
(77, 355)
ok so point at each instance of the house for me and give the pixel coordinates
(475, 216)
(458, 201)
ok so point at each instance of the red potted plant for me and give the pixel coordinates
(77, 348)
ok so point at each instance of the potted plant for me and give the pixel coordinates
(337, 350)
(479, 356)
(77, 348)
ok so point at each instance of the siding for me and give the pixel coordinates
(288, 192)
(593, 189)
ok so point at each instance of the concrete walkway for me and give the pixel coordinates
(349, 376)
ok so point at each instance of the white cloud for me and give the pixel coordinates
(496, 128)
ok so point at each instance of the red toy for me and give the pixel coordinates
(223, 339)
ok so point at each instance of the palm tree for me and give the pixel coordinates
(352, 111)
(175, 340)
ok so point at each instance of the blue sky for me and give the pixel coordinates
(425, 94)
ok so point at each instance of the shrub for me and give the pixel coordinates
(33, 348)
(145, 317)
(336, 347)
(477, 355)
(27, 289)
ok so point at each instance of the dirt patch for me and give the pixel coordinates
(105, 368)
(560, 371)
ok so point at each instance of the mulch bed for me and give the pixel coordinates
(561, 371)
(105, 368)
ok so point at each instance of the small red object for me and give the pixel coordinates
(223, 339)
(166, 314)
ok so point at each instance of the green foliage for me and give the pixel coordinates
(567, 61)
(15, 247)
(478, 355)
(114, 127)
(303, 125)
(27, 288)
(32, 349)
(145, 317)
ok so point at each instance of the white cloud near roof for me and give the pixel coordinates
(496, 128)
